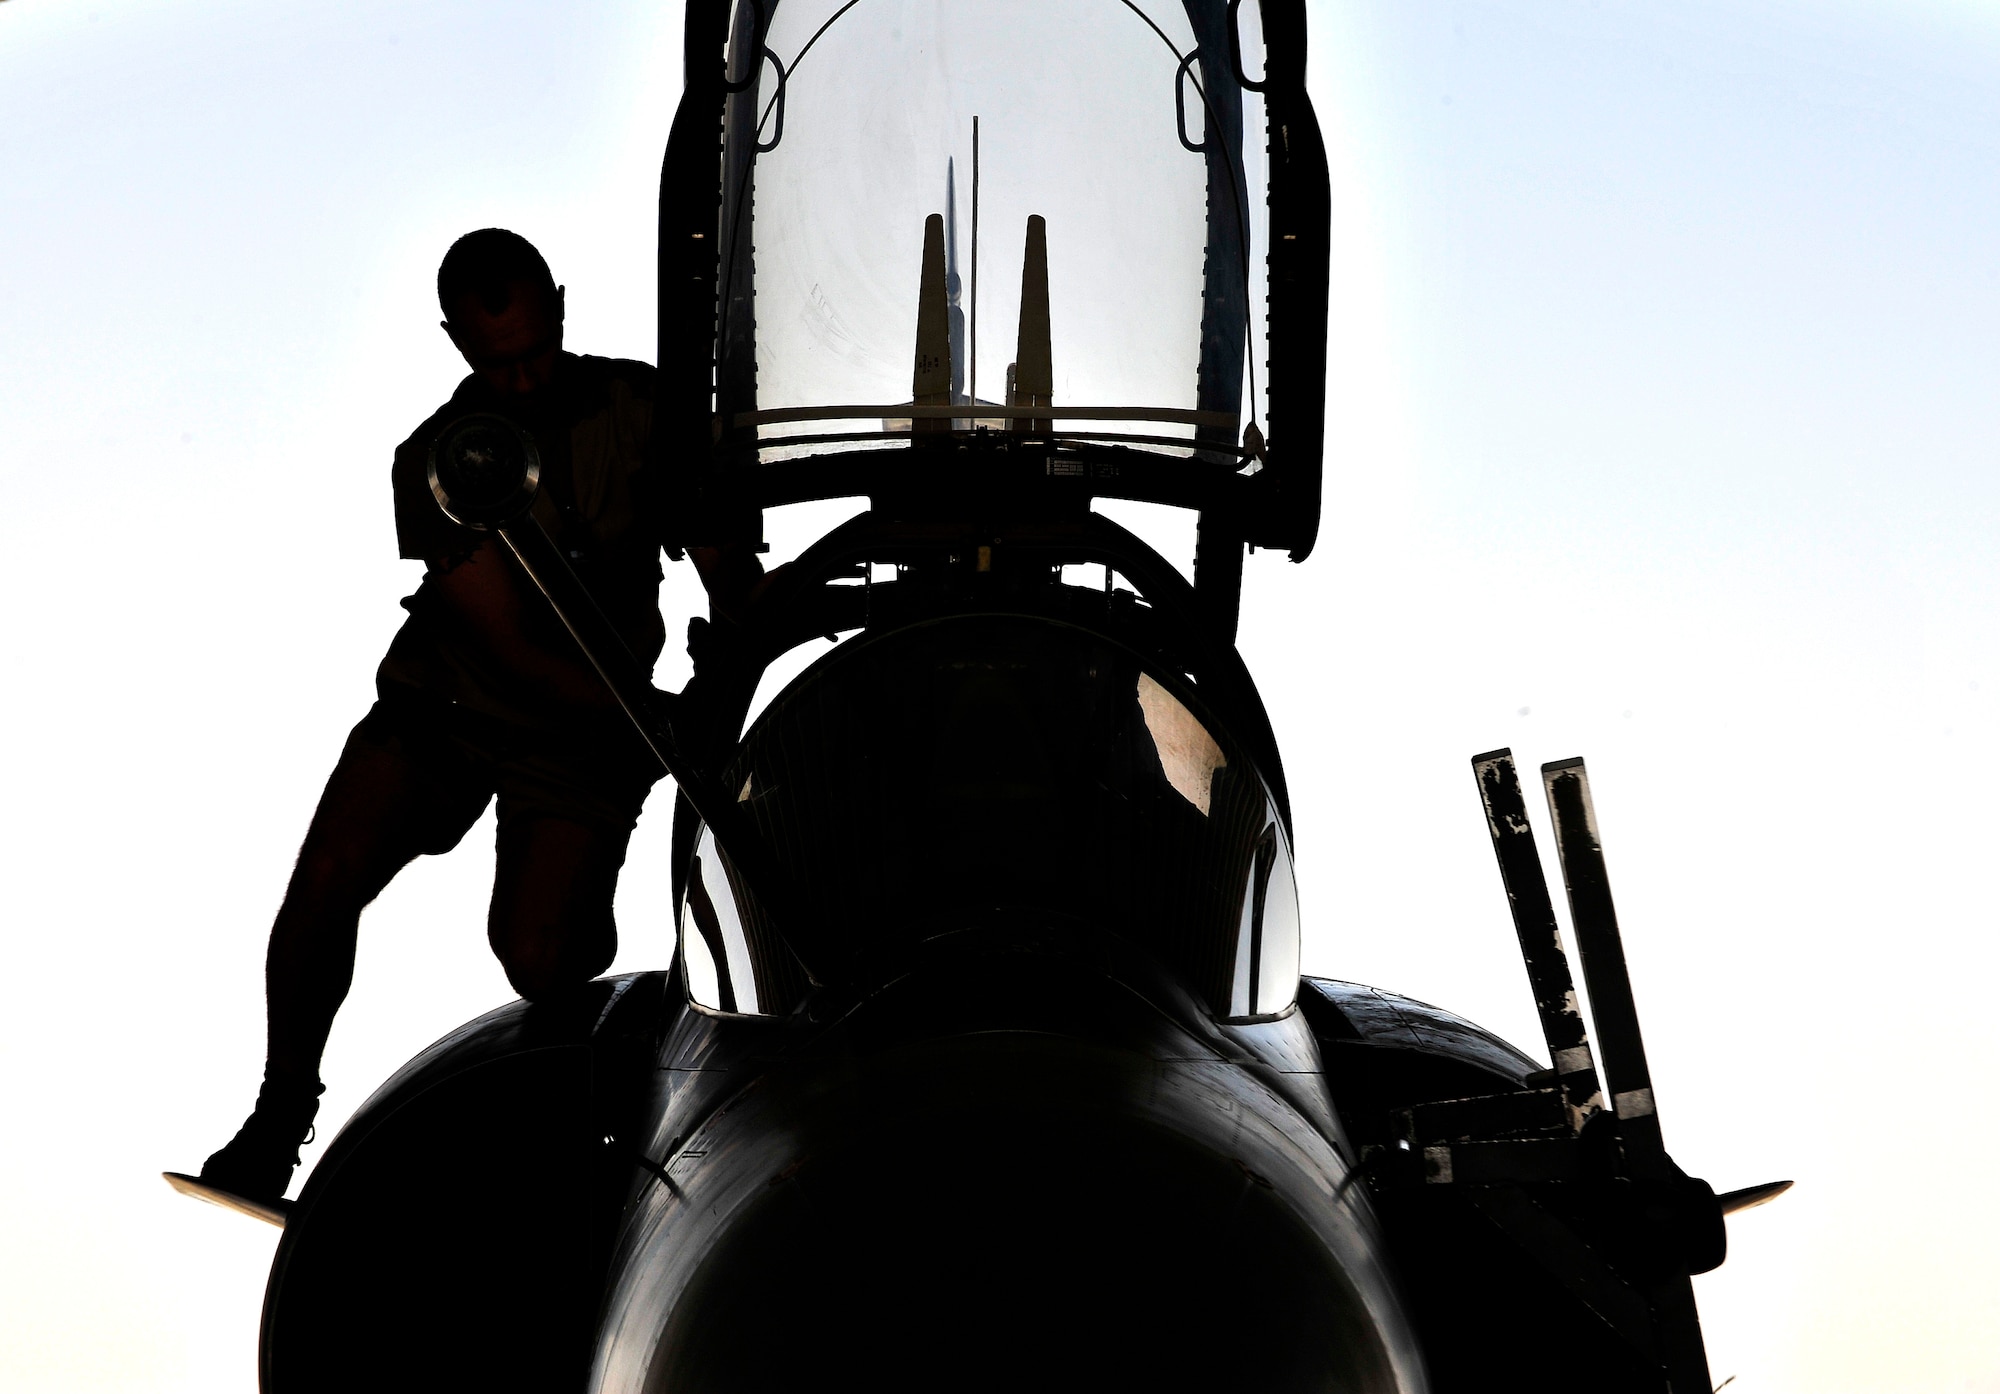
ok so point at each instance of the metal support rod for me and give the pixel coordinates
(1684, 1360)
(1620, 1045)
(1541, 938)
(530, 540)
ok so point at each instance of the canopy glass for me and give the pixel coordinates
(903, 177)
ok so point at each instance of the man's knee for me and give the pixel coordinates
(551, 923)
(339, 878)
(348, 859)
(544, 961)
(396, 793)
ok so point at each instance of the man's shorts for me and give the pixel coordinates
(460, 759)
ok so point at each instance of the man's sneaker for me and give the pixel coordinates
(257, 1163)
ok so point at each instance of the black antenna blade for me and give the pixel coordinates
(1540, 936)
(1751, 1196)
(1034, 364)
(930, 375)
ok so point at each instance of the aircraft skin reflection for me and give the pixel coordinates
(985, 1060)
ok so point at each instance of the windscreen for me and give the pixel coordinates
(999, 214)
(920, 782)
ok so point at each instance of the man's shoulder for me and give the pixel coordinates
(617, 382)
(617, 395)
(458, 404)
(627, 375)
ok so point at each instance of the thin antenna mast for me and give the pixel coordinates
(955, 314)
(972, 351)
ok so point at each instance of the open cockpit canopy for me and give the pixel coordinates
(994, 222)
(1064, 180)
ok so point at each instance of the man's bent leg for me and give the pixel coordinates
(393, 795)
(385, 805)
(551, 923)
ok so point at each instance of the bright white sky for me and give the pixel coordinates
(1664, 430)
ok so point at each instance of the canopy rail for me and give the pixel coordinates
(900, 411)
(1181, 445)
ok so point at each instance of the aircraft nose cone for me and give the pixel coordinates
(1008, 1210)
(1077, 1254)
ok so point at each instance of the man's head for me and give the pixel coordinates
(502, 309)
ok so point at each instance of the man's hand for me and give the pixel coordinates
(734, 577)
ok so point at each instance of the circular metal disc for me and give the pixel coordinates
(484, 471)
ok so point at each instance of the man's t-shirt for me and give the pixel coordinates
(591, 426)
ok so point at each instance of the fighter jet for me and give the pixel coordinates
(983, 1058)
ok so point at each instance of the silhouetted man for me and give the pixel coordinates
(482, 696)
